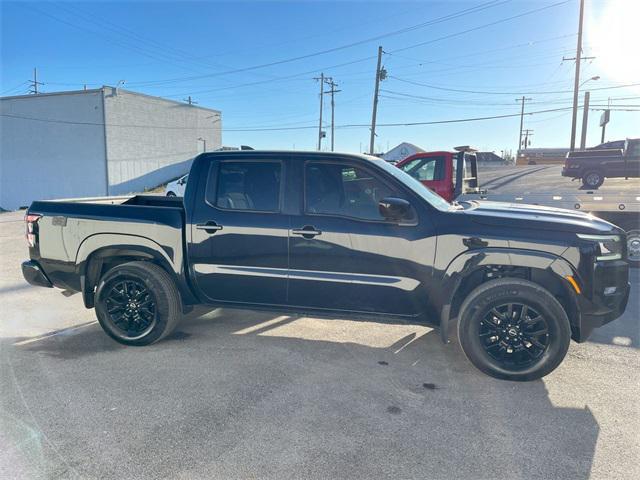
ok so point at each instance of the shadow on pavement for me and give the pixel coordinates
(238, 394)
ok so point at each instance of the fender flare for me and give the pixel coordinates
(472, 260)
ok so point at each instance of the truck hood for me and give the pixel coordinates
(503, 214)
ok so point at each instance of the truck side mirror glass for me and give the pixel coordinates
(394, 209)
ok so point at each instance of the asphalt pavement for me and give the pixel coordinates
(543, 179)
(244, 394)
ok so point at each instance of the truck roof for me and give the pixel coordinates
(275, 153)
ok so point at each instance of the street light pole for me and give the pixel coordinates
(585, 112)
(585, 117)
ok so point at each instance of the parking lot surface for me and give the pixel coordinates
(244, 394)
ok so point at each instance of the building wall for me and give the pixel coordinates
(400, 152)
(152, 140)
(59, 155)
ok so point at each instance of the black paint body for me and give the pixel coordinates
(418, 270)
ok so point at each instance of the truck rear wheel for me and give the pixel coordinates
(513, 329)
(593, 179)
(137, 303)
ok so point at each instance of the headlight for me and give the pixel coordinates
(609, 246)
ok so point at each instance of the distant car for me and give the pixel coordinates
(177, 187)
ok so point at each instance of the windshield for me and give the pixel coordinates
(423, 191)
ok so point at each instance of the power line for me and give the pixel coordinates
(355, 125)
(476, 53)
(407, 124)
(444, 18)
(421, 25)
(152, 45)
(436, 87)
(70, 122)
(473, 29)
(14, 88)
(295, 75)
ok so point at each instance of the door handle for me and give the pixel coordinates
(307, 231)
(474, 242)
(209, 227)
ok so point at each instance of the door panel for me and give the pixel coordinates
(357, 264)
(239, 236)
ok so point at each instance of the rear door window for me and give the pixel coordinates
(249, 186)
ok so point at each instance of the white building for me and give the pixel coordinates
(400, 152)
(105, 141)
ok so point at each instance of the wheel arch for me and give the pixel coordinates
(99, 253)
(472, 268)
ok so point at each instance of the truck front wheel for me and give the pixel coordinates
(513, 329)
(137, 303)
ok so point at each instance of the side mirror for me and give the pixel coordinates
(394, 209)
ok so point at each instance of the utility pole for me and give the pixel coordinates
(381, 74)
(35, 82)
(527, 133)
(523, 99)
(329, 81)
(190, 101)
(576, 81)
(321, 79)
(585, 117)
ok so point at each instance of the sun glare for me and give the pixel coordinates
(613, 37)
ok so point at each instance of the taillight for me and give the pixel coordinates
(31, 221)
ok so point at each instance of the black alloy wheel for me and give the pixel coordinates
(514, 334)
(513, 329)
(131, 308)
(137, 303)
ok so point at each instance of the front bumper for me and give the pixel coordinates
(33, 274)
(609, 297)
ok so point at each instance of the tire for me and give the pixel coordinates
(171, 194)
(526, 361)
(137, 303)
(592, 179)
(633, 243)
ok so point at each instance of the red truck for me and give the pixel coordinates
(449, 174)
(454, 176)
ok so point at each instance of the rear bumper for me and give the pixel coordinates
(608, 300)
(571, 172)
(33, 274)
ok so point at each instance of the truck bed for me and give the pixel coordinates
(69, 232)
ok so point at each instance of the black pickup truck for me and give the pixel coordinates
(335, 233)
(619, 159)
